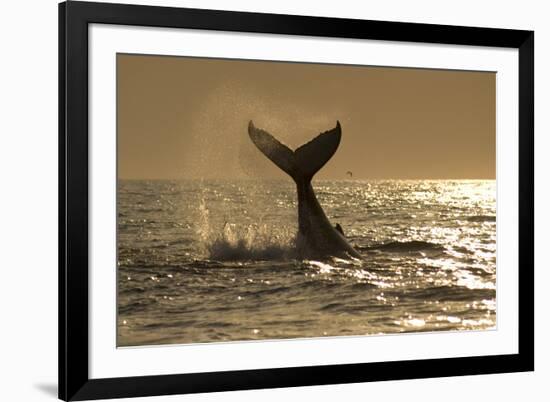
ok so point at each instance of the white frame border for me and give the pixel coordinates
(108, 361)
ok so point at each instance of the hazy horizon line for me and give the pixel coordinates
(284, 179)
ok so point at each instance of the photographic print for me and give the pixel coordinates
(264, 200)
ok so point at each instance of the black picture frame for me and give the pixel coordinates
(74, 381)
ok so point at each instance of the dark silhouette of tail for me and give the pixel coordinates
(302, 163)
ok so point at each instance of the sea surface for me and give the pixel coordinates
(213, 261)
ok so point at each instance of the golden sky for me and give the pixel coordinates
(181, 117)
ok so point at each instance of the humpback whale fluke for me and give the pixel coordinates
(316, 236)
(306, 160)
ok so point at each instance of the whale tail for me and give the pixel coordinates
(302, 163)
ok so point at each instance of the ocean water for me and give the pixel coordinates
(213, 261)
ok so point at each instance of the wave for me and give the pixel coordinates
(481, 218)
(448, 294)
(406, 246)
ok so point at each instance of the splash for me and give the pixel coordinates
(243, 242)
(251, 243)
(203, 221)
